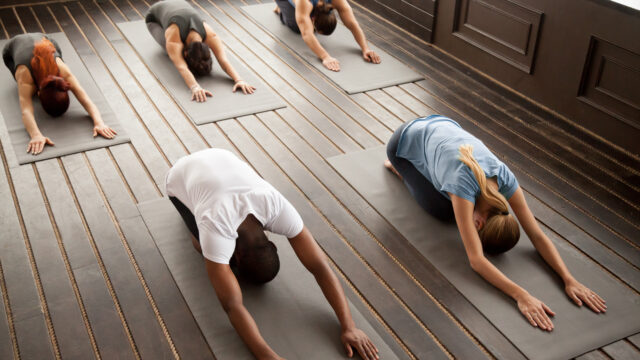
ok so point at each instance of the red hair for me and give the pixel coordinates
(52, 89)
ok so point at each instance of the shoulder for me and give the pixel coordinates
(23, 75)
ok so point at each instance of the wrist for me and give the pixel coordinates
(568, 279)
(239, 80)
(347, 325)
(194, 87)
(520, 294)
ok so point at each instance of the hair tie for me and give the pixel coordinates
(504, 213)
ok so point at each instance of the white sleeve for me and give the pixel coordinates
(286, 221)
(215, 246)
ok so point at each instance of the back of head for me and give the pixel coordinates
(54, 95)
(324, 20)
(198, 58)
(52, 89)
(259, 263)
(501, 231)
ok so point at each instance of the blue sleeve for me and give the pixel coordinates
(462, 184)
(508, 182)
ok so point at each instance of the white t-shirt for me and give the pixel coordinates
(220, 190)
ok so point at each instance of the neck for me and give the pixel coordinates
(193, 36)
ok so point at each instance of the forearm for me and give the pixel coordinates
(358, 35)
(550, 254)
(226, 66)
(496, 278)
(30, 124)
(188, 77)
(334, 293)
(313, 44)
(248, 330)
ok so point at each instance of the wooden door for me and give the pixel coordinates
(580, 58)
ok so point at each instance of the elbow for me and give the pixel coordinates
(477, 263)
(231, 306)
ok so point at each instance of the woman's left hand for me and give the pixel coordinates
(581, 294)
(104, 131)
(246, 88)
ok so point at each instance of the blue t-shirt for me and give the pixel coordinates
(432, 145)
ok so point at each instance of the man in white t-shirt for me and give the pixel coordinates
(227, 207)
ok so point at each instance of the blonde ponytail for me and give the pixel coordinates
(501, 230)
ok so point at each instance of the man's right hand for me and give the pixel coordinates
(37, 144)
(199, 94)
(331, 63)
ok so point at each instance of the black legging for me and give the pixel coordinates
(420, 188)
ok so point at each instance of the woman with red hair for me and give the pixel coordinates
(36, 63)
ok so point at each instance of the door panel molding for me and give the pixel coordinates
(611, 81)
(503, 28)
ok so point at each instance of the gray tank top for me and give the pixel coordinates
(177, 12)
(19, 51)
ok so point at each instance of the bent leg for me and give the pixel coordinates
(189, 220)
(422, 190)
(157, 32)
(288, 15)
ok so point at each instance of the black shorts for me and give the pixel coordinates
(187, 216)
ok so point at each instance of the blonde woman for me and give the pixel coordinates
(453, 175)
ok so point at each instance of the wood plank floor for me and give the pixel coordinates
(81, 277)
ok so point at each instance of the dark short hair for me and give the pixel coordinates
(198, 58)
(259, 264)
(54, 95)
(324, 20)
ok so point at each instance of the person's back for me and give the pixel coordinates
(432, 145)
(177, 12)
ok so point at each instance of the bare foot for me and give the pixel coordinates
(388, 165)
(277, 10)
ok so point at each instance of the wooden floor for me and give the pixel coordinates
(80, 275)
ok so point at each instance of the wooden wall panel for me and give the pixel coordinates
(502, 28)
(611, 81)
(415, 16)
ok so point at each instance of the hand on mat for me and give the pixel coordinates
(199, 94)
(246, 88)
(37, 143)
(581, 294)
(356, 338)
(104, 131)
(536, 312)
(371, 56)
(331, 63)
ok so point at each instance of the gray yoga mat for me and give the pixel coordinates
(71, 132)
(355, 75)
(577, 330)
(291, 312)
(224, 104)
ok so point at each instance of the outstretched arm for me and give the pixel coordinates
(174, 50)
(215, 44)
(316, 262)
(228, 291)
(98, 125)
(575, 290)
(26, 90)
(303, 19)
(350, 22)
(533, 309)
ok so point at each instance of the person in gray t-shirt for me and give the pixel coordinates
(188, 40)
